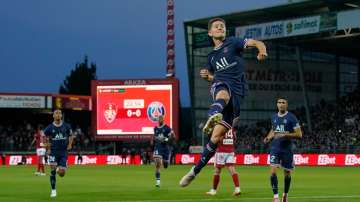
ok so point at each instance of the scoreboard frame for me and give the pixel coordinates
(133, 82)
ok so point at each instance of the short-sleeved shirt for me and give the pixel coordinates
(163, 131)
(59, 137)
(283, 123)
(227, 144)
(227, 65)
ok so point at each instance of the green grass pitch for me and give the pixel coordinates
(137, 184)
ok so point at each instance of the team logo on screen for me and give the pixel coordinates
(110, 112)
(154, 110)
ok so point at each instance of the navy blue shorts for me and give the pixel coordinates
(232, 109)
(283, 159)
(58, 160)
(161, 153)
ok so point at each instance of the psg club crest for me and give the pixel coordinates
(154, 110)
(110, 112)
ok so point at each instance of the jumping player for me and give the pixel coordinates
(226, 71)
(59, 141)
(285, 128)
(162, 135)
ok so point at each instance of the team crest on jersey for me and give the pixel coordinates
(285, 121)
(226, 50)
(110, 112)
(154, 110)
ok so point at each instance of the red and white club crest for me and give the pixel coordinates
(110, 112)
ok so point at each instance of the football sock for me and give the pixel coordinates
(216, 181)
(42, 168)
(235, 178)
(274, 183)
(157, 175)
(287, 181)
(217, 107)
(53, 179)
(209, 151)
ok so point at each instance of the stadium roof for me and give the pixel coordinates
(341, 42)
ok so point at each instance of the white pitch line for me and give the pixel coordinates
(240, 199)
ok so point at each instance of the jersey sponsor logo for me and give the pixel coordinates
(228, 142)
(280, 128)
(351, 160)
(110, 112)
(59, 136)
(325, 159)
(300, 160)
(222, 64)
(154, 110)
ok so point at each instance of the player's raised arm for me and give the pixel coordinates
(260, 46)
(205, 74)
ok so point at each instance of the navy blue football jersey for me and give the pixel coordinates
(283, 123)
(227, 65)
(160, 133)
(59, 137)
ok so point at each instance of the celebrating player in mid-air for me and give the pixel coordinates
(59, 141)
(285, 128)
(226, 70)
(162, 135)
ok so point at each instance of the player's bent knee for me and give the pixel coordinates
(273, 170)
(157, 162)
(223, 94)
(61, 172)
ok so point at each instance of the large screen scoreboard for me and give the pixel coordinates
(129, 109)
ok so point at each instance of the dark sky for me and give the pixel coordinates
(42, 40)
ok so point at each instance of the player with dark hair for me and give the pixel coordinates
(226, 70)
(285, 128)
(59, 141)
(162, 135)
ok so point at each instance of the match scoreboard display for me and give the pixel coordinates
(126, 110)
